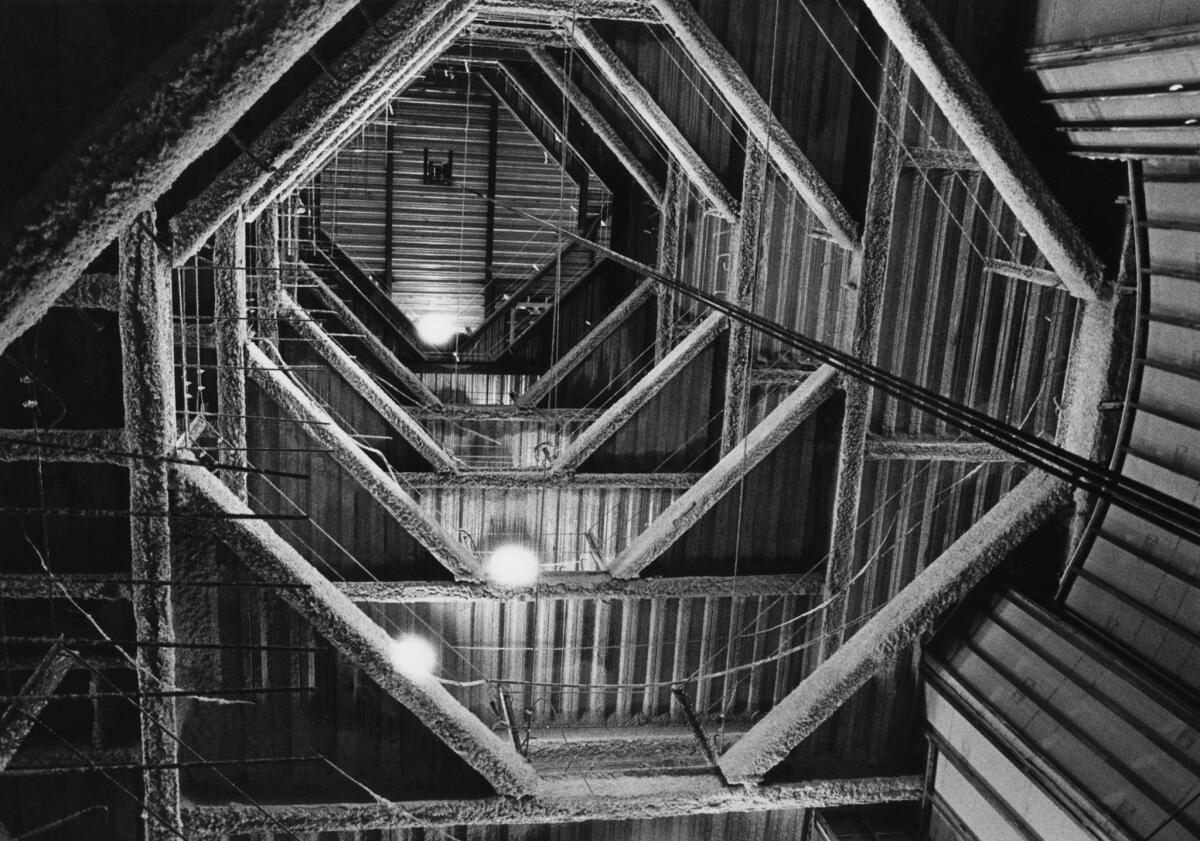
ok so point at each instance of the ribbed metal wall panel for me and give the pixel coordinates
(995, 343)
(476, 388)
(750, 826)
(595, 661)
(802, 276)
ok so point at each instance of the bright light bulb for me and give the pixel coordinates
(414, 656)
(436, 329)
(512, 565)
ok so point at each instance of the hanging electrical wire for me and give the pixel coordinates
(1153, 505)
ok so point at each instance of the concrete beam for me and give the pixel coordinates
(570, 800)
(383, 354)
(914, 448)
(911, 28)
(560, 750)
(579, 585)
(505, 308)
(591, 115)
(516, 36)
(231, 330)
(366, 387)
(630, 89)
(630, 10)
(355, 635)
(34, 696)
(500, 412)
(539, 478)
(512, 99)
(102, 586)
(862, 317)
(745, 280)
(375, 480)
(781, 376)
(148, 377)
(627, 405)
(1019, 271)
(1085, 387)
(268, 263)
(894, 628)
(97, 291)
(82, 446)
(747, 103)
(928, 157)
(158, 125)
(685, 511)
(410, 49)
(1088, 371)
(540, 389)
(357, 68)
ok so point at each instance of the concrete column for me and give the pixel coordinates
(270, 277)
(231, 329)
(149, 393)
(745, 280)
(672, 221)
(862, 318)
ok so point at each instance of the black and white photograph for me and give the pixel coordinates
(599, 420)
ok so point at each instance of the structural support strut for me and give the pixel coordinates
(576, 585)
(356, 636)
(745, 279)
(35, 694)
(595, 120)
(143, 142)
(911, 28)
(895, 627)
(570, 800)
(359, 380)
(685, 511)
(585, 347)
(863, 318)
(745, 101)
(622, 79)
(643, 391)
(322, 428)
